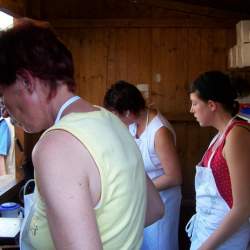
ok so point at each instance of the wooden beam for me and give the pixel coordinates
(193, 9)
(185, 22)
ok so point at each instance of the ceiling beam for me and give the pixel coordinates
(193, 9)
(142, 23)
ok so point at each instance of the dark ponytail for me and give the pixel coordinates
(220, 87)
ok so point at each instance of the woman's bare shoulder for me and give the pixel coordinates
(238, 139)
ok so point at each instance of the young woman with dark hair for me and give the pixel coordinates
(222, 177)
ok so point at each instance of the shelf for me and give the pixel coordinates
(244, 69)
(244, 117)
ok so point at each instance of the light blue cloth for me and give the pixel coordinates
(5, 138)
(163, 234)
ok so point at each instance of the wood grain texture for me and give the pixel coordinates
(104, 55)
(161, 43)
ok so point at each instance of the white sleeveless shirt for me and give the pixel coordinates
(146, 144)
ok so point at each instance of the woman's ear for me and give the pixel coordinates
(26, 79)
(212, 105)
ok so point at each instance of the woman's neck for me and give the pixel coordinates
(141, 121)
(222, 121)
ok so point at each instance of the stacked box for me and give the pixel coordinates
(234, 58)
(238, 49)
(244, 55)
(243, 31)
(239, 55)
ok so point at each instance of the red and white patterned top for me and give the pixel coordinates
(220, 168)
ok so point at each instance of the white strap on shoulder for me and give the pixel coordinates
(27, 184)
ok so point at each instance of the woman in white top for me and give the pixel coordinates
(156, 139)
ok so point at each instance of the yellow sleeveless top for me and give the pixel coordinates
(121, 210)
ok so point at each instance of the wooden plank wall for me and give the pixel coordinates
(103, 55)
(139, 41)
(142, 42)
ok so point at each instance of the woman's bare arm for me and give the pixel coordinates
(155, 207)
(167, 153)
(236, 153)
(62, 167)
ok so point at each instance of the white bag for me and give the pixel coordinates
(28, 200)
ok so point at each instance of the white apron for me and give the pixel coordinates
(211, 209)
(29, 200)
(163, 234)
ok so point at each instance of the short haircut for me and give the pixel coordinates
(38, 50)
(123, 96)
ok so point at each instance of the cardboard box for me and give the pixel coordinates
(235, 57)
(244, 55)
(243, 31)
(238, 56)
(232, 54)
(230, 58)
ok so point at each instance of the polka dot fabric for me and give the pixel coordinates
(220, 168)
